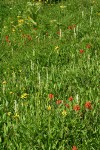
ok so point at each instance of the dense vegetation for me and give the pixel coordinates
(50, 75)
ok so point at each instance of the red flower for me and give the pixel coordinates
(58, 32)
(74, 148)
(70, 98)
(29, 37)
(72, 27)
(81, 51)
(88, 46)
(7, 38)
(88, 105)
(59, 102)
(51, 96)
(67, 105)
(76, 107)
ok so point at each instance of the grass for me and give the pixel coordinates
(50, 75)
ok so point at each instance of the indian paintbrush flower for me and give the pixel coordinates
(70, 98)
(74, 148)
(76, 107)
(51, 96)
(88, 105)
(59, 102)
(81, 51)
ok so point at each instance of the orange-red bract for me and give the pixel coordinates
(70, 98)
(59, 102)
(88, 105)
(51, 96)
(74, 148)
(76, 107)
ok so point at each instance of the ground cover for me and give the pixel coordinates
(50, 75)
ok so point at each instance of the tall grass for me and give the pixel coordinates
(49, 75)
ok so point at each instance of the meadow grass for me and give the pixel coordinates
(50, 75)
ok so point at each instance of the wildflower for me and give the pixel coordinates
(29, 37)
(69, 27)
(88, 105)
(16, 116)
(76, 107)
(49, 107)
(74, 148)
(20, 21)
(11, 92)
(62, 7)
(59, 102)
(81, 51)
(13, 30)
(7, 38)
(51, 96)
(67, 105)
(9, 113)
(70, 98)
(4, 82)
(57, 47)
(72, 27)
(24, 95)
(64, 113)
(88, 46)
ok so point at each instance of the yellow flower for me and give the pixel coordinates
(64, 113)
(24, 95)
(20, 22)
(57, 49)
(13, 30)
(11, 92)
(9, 113)
(16, 116)
(49, 107)
(4, 82)
(62, 7)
